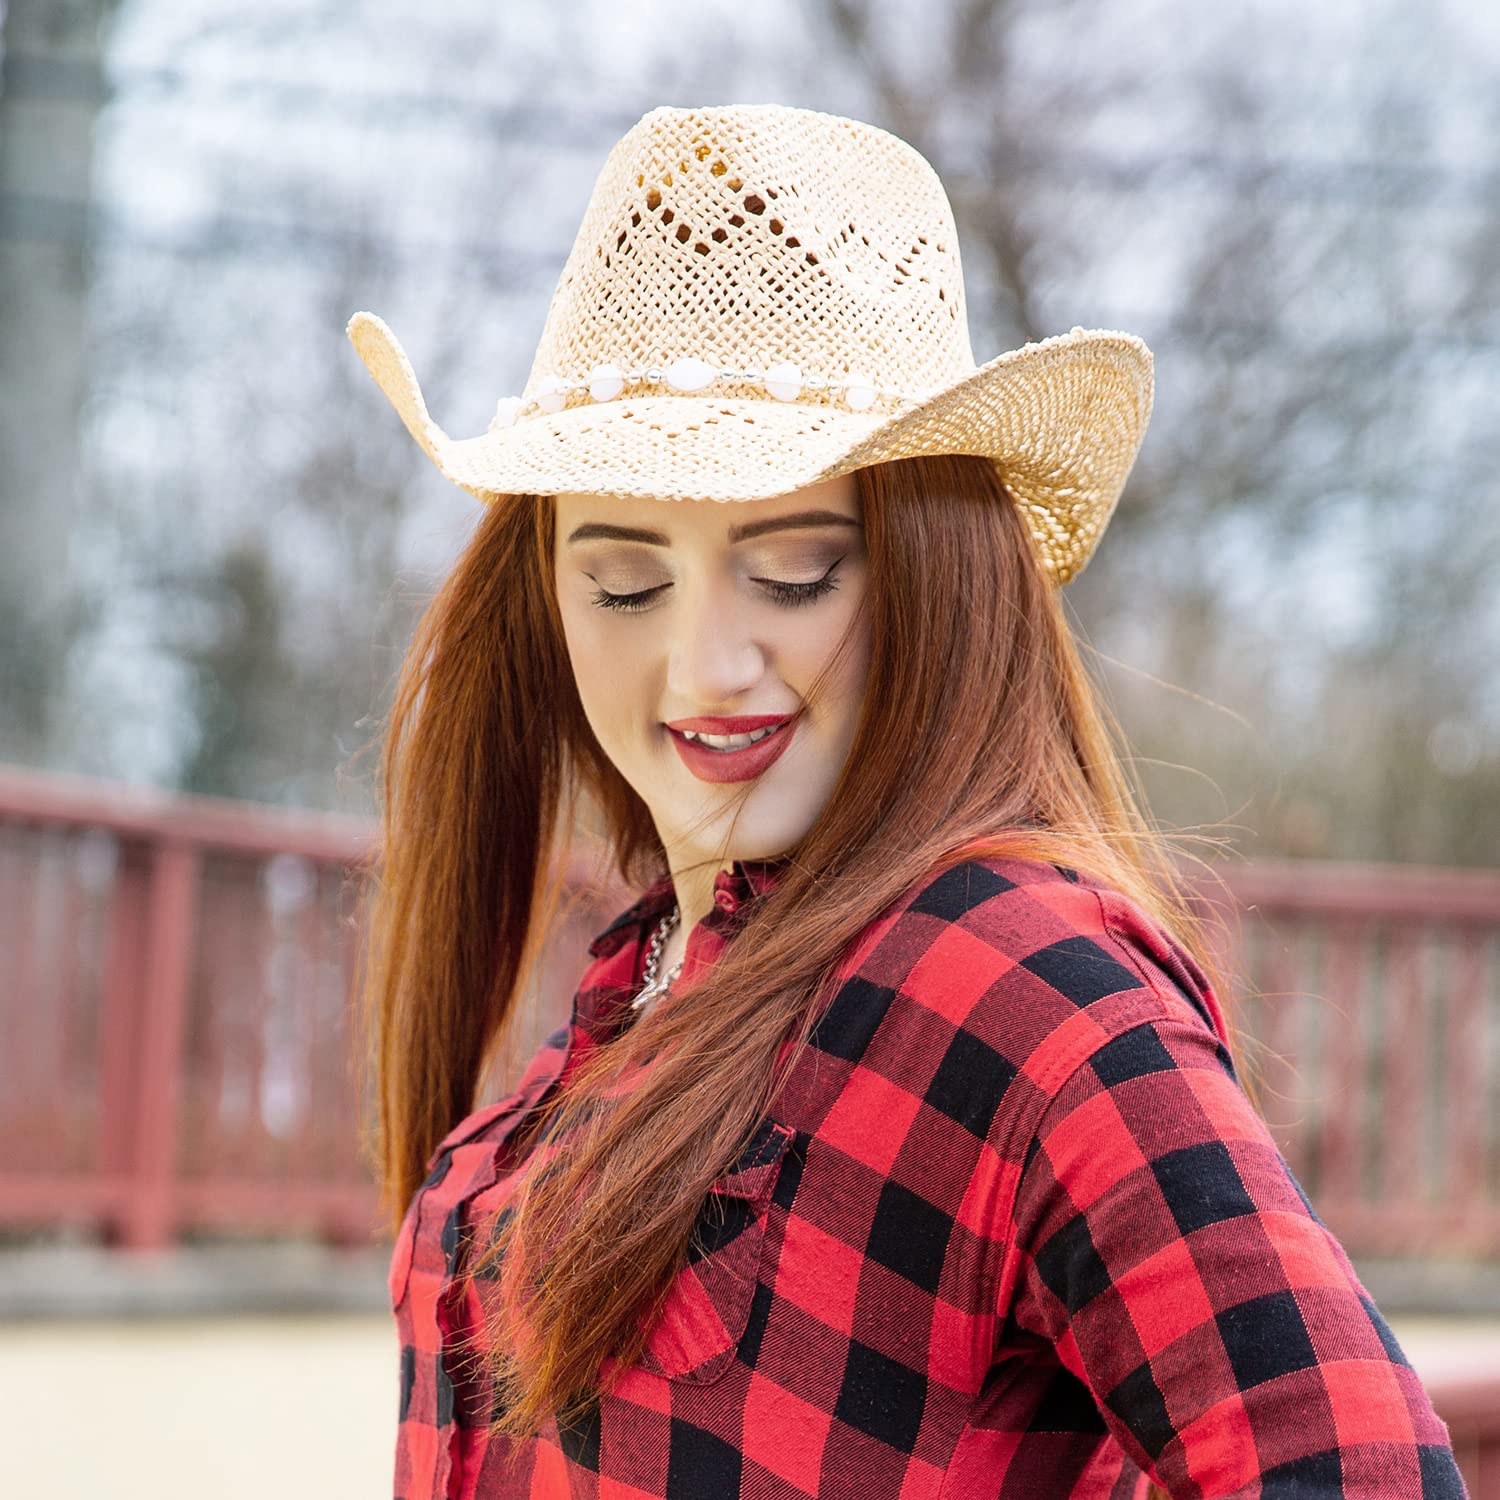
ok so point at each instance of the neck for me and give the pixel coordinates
(694, 887)
(693, 890)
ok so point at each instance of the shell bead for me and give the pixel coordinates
(690, 374)
(606, 382)
(859, 391)
(552, 393)
(506, 409)
(784, 382)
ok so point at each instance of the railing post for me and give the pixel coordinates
(148, 1220)
(120, 1022)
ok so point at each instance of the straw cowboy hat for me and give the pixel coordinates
(760, 298)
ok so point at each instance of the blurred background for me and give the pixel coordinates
(215, 538)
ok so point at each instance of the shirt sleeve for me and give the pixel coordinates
(1175, 1264)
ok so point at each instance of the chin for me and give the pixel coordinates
(770, 837)
(752, 837)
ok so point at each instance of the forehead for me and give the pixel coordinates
(729, 521)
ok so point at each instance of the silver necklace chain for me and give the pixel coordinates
(654, 986)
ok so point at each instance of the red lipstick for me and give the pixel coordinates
(708, 764)
(732, 724)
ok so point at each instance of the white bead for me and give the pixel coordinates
(859, 391)
(784, 381)
(690, 374)
(551, 393)
(505, 412)
(606, 382)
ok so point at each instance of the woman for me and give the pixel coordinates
(896, 1143)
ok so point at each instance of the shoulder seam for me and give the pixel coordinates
(1171, 992)
(1055, 1060)
(1052, 1076)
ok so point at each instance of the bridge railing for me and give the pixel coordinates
(1373, 1005)
(175, 993)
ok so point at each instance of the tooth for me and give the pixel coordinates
(728, 742)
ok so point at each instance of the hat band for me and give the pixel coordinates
(784, 382)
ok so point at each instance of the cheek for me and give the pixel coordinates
(614, 674)
(604, 665)
(845, 684)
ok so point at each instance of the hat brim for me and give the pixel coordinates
(1062, 419)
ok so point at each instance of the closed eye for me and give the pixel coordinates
(606, 600)
(789, 594)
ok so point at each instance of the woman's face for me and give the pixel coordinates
(708, 618)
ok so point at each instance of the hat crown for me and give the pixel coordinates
(745, 236)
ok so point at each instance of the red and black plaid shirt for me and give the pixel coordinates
(1014, 1229)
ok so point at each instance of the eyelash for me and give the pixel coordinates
(788, 594)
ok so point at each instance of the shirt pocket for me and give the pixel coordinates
(708, 1304)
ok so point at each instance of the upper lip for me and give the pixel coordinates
(733, 724)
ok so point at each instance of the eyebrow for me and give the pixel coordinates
(605, 530)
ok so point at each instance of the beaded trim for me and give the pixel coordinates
(784, 382)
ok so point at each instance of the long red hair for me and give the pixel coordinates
(979, 723)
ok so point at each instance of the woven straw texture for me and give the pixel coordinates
(750, 237)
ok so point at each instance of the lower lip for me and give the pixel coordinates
(732, 765)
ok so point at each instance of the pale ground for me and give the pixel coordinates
(295, 1408)
(212, 1409)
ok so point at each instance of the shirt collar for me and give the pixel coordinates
(734, 891)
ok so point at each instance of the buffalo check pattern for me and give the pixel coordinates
(1014, 1229)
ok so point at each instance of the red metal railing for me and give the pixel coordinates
(175, 1059)
(175, 1001)
(1372, 1005)
(175, 996)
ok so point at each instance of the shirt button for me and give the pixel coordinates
(725, 901)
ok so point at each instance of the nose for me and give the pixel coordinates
(713, 658)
